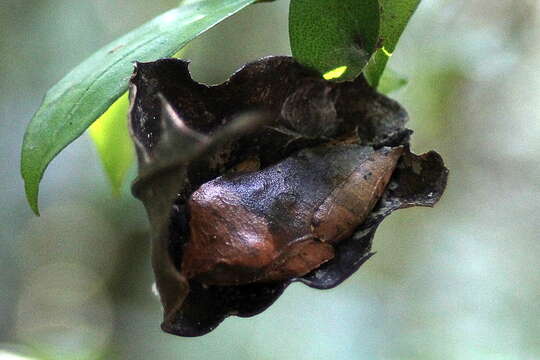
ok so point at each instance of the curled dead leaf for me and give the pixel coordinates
(272, 177)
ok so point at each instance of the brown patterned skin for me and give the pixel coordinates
(280, 222)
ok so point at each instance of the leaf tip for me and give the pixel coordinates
(32, 190)
(116, 183)
(30, 176)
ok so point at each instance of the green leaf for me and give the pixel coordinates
(111, 137)
(391, 81)
(334, 37)
(395, 17)
(85, 93)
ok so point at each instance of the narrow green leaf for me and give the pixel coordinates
(85, 93)
(111, 137)
(391, 81)
(395, 17)
(334, 37)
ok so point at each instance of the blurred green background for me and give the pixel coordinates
(460, 281)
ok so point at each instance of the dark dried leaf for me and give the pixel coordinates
(202, 149)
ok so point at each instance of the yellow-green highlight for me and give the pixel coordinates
(336, 73)
(111, 137)
(386, 52)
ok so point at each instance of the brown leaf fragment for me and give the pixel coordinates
(351, 202)
(275, 224)
(409, 186)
